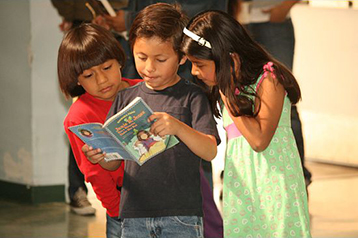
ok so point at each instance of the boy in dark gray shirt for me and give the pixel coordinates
(162, 197)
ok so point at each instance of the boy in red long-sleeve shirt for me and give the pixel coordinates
(89, 67)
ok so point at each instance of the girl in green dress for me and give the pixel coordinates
(264, 190)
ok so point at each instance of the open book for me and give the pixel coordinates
(126, 134)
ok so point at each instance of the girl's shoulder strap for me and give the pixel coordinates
(267, 68)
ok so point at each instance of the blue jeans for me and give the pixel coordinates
(113, 227)
(163, 227)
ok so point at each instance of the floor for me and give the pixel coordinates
(333, 197)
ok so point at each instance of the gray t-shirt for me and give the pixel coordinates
(169, 183)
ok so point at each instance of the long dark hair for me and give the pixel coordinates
(227, 36)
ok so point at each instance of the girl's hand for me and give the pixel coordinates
(164, 124)
(95, 156)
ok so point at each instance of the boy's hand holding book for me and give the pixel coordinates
(127, 135)
(96, 156)
(93, 155)
(164, 124)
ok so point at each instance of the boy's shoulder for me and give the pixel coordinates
(186, 86)
(189, 83)
(88, 102)
(80, 105)
(86, 106)
(126, 95)
(132, 82)
(132, 88)
(134, 85)
(183, 87)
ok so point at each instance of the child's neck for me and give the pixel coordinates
(165, 86)
(123, 85)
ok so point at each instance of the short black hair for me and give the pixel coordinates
(162, 20)
(83, 47)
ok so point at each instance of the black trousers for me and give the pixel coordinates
(76, 179)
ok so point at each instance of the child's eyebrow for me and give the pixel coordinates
(161, 54)
(196, 61)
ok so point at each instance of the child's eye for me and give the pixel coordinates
(87, 75)
(162, 60)
(107, 67)
(198, 65)
(142, 58)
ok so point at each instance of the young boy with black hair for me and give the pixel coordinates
(89, 68)
(162, 197)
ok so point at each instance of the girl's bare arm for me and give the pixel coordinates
(259, 131)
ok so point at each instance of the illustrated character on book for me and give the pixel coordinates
(86, 133)
(148, 144)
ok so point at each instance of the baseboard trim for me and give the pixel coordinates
(32, 194)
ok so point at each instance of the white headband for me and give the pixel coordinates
(201, 41)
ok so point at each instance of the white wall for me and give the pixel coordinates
(48, 140)
(15, 103)
(326, 67)
(33, 148)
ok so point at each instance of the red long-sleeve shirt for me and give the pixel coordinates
(88, 109)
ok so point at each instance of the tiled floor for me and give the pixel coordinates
(333, 202)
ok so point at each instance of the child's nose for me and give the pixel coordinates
(149, 66)
(101, 78)
(194, 71)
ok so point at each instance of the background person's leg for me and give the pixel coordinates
(77, 189)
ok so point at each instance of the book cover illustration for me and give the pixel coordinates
(126, 135)
(131, 127)
(95, 135)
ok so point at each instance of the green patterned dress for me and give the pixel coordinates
(264, 192)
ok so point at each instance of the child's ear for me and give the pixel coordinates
(182, 60)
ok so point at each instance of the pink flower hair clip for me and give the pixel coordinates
(269, 68)
(237, 91)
